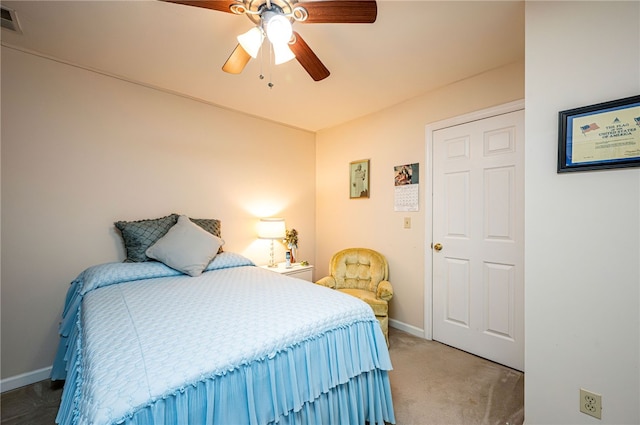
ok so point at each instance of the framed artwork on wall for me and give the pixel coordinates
(601, 136)
(359, 179)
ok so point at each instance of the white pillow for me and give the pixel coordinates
(186, 247)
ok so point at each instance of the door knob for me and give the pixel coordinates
(437, 247)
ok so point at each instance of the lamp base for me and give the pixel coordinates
(272, 262)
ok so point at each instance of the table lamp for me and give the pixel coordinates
(271, 228)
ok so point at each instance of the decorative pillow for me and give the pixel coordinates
(140, 235)
(211, 225)
(186, 247)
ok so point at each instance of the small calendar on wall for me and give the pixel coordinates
(406, 184)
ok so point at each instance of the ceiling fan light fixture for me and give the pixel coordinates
(251, 41)
(282, 53)
(274, 18)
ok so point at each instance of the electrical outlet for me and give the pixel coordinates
(407, 222)
(591, 403)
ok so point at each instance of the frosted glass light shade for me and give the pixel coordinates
(251, 41)
(271, 228)
(282, 53)
(278, 28)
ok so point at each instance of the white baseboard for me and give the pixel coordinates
(410, 329)
(24, 379)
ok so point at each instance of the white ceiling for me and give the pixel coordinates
(412, 48)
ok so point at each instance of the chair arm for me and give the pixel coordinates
(385, 290)
(327, 281)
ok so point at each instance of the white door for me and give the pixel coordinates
(478, 231)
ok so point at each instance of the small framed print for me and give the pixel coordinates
(601, 136)
(359, 179)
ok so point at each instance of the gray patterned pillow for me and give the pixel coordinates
(211, 225)
(141, 234)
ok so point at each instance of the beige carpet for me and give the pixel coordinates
(433, 384)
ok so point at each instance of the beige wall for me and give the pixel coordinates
(81, 150)
(392, 137)
(582, 244)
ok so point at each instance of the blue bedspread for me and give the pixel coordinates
(144, 344)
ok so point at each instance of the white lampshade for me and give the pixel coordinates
(251, 41)
(271, 228)
(278, 28)
(282, 53)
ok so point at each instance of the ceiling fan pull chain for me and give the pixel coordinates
(261, 63)
(270, 84)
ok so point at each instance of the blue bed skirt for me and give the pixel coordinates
(319, 381)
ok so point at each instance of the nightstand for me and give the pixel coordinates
(296, 270)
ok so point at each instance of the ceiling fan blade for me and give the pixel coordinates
(308, 59)
(219, 5)
(237, 61)
(341, 12)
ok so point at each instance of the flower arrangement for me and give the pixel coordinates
(291, 238)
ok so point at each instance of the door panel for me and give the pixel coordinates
(457, 207)
(458, 292)
(478, 213)
(499, 292)
(499, 203)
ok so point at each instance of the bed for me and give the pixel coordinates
(145, 343)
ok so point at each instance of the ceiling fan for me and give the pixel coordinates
(274, 19)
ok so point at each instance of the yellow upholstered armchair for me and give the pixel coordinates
(363, 273)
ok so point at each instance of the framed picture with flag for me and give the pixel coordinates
(601, 136)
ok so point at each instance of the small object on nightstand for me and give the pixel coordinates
(304, 263)
(288, 260)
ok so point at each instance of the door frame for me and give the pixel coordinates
(429, 130)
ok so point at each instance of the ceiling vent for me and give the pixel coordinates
(9, 20)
